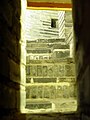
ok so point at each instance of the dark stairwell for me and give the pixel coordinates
(10, 35)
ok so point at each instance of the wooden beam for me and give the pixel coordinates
(49, 5)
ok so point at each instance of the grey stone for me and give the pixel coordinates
(39, 70)
(50, 70)
(45, 71)
(70, 70)
(33, 71)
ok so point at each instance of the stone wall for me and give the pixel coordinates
(46, 24)
(47, 49)
(54, 116)
(50, 73)
(50, 68)
(81, 20)
(10, 52)
(53, 80)
(10, 12)
(61, 23)
(42, 25)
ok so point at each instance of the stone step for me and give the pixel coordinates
(46, 40)
(38, 105)
(35, 46)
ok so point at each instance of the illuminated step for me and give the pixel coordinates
(38, 105)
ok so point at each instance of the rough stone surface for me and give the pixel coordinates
(10, 27)
(45, 77)
(82, 29)
(8, 89)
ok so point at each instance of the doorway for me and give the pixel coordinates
(50, 65)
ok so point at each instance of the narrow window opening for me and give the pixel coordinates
(54, 23)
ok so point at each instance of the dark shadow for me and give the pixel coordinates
(10, 31)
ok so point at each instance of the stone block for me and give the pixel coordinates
(19, 53)
(79, 58)
(40, 91)
(17, 105)
(28, 92)
(39, 70)
(44, 80)
(85, 84)
(12, 97)
(66, 79)
(46, 92)
(33, 71)
(27, 70)
(5, 35)
(16, 7)
(7, 97)
(16, 29)
(72, 90)
(61, 70)
(7, 10)
(12, 46)
(52, 93)
(4, 64)
(70, 70)
(62, 80)
(28, 80)
(50, 70)
(56, 70)
(61, 54)
(59, 91)
(65, 91)
(27, 59)
(37, 45)
(45, 71)
(34, 92)
(22, 73)
(60, 46)
(22, 98)
(14, 70)
(11, 42)
(23, 54)
(39, 105)
(39, 51)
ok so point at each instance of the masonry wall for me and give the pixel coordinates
(49, 74)
(40, 26)
(10, 53)
(11, 63)
(81, 17)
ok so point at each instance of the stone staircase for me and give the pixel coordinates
(50, 81)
